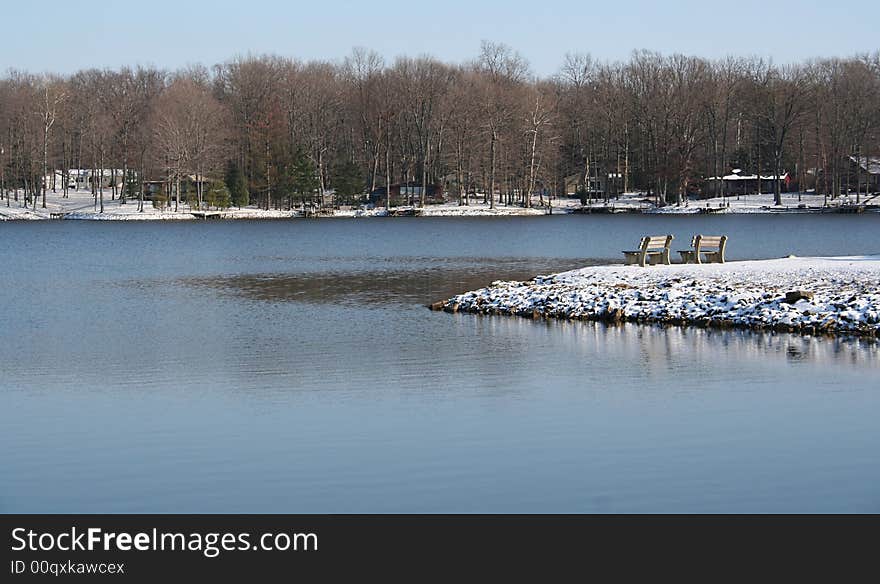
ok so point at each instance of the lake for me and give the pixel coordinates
(292, 367)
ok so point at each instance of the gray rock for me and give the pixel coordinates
(797, 295)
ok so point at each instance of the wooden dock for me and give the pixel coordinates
(407, 212)
(604, 210)
(207, 215)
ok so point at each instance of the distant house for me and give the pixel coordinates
(401, 193)
(188, 184)
(738, 183)
(83, 178)
(104, 178)
(597, 185)
(871, 164)
(153, 188)
(571, 183)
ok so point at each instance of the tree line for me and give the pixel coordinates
(279, 132)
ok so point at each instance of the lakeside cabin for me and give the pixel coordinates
(165, 188)
(597, 185)
(83, 178)
(869, 165)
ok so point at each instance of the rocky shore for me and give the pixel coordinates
(837, 295)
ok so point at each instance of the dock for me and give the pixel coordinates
(207, 215)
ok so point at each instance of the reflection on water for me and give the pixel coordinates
(414, 285)
(655, 342)
(706, 347)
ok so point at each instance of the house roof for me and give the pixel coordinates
(869, 163)
(735, 177)
(89, 172)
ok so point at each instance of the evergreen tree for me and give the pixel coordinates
(285, 183)
(218, 196)
(302, 175)
(236, 185)
(347, 182)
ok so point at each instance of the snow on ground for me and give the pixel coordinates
(750, 294)
(763, 203)
(453, 209)
(81, 205)
(635, 202)
(474, 210)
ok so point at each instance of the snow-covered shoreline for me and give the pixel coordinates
(80, 205)
(750, 294)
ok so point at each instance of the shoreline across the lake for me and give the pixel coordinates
(81, 205)
(830, 295)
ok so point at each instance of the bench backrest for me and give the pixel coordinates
(655, 241)
(708, 240)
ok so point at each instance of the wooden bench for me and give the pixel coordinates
(653, 249)
(699, 243)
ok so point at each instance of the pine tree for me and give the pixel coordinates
(347, 182)
(218, 196)
(302, 175)
(236, 185)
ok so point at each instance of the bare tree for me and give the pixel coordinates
(52, 92)
(546, 100)
(502, 71)
(660, 125)
(781, 100)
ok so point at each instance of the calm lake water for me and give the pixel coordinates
(291, 366)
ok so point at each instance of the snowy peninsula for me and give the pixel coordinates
(821, 295)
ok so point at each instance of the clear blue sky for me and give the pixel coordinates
(63, 36)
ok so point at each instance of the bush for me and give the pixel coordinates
(236, 185)
(218, 196)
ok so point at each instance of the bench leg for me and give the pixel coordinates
(655, 259)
